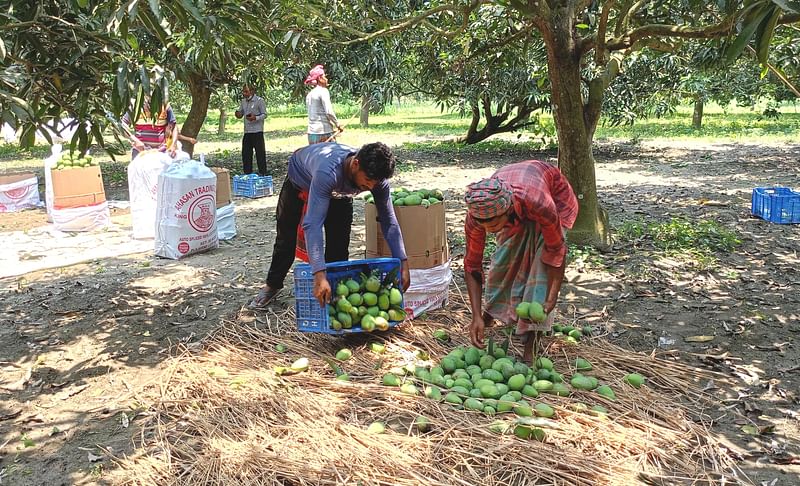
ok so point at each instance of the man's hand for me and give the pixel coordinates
(555, 276)
(138, 145)
(251, 117)
(340, 128)
(405, 274)
(476, 329)
(322, 288)
(238, 113)
(549, 305)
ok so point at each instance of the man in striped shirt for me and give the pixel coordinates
(529, 206)
(158, 134)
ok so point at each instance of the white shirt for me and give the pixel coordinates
(321, 118)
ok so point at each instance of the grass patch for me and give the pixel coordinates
(422, 127)
(584, 256)
(699, 240)
(729, 123)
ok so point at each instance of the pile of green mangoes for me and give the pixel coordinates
(369, 302)
(571, 334)
(406, 197)
(490, 382)
(69, 161)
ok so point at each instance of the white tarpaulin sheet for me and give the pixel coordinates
(46, 247)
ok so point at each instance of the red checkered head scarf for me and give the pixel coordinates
(313, 76)
(488, 198)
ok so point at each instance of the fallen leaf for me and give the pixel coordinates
(11, 415)
(125, 420)
(72, 392)
(698, 339)
(766, 429)
(93, 458)
(750, 429)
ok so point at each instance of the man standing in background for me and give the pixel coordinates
(254, 111)
(322, 120)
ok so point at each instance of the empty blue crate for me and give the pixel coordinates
(776, 204)
(311, 317)
(252, 185)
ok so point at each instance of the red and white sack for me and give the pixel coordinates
(186, 217)
(83, 218)
(429, 289)
(18, 195)
(143, 172)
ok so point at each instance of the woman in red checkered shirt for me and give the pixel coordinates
(529, 206)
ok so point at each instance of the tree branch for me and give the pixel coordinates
(626, 14)
(666, 30)
(421, 18)
(503, 42)
(599, 51)
(778, 74)
(789, 18)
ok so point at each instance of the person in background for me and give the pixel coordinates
(326, 176)
(254, 111)
(529, 205)
(322, 121)
(149, 134)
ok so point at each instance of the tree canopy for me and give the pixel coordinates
(88, 58)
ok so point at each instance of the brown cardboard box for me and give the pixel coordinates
(424, 234)
(223, 186)
(78, 187)
(16, 177)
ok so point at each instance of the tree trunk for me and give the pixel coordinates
(574, 129)
(365, 105)
(697, 116)
(223, 117)
(200, 90)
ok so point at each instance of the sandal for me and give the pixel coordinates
(264, 297)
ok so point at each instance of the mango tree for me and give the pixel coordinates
(586, 42)
(88, 59)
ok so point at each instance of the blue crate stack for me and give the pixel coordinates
(311, 317)
(776, 204)
(252, 186)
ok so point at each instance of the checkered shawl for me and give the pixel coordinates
(488, 198)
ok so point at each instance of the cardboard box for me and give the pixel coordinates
(223, 186)
(16, 177)
(77, 187)
(424, 234)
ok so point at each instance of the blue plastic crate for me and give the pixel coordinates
(776, 204)
(311, 317)
(252, 185)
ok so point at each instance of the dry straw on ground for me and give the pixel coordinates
(222, 416)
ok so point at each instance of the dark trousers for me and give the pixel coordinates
(250, 142)
(289, 213)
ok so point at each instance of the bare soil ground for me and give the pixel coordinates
(79, 343)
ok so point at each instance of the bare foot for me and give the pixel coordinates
(532, 346)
